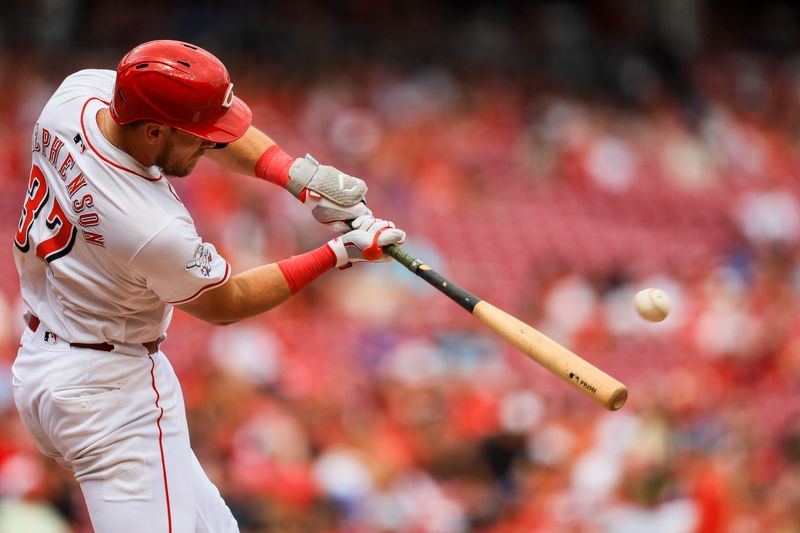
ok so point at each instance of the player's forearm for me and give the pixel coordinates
(246, 294)
(257, 290)
(242, 155)
(260, 289)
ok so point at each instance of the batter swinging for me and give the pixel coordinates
(105, 249)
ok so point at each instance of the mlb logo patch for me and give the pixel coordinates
(79, 142)
(50, 337)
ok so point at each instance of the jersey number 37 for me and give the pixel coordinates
(62, 230)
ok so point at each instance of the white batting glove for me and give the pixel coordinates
(366, 241)
(333, 197)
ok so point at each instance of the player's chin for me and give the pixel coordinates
(183, 170)
(193, 161)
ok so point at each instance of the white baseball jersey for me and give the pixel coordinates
(104, 245)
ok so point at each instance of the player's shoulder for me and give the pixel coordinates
(164, 230)
(80, 86)
(91, 79)
(92, 82)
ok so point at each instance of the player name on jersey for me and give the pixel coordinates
(72, 177)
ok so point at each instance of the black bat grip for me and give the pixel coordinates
(461, 296)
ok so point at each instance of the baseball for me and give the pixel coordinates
(652, 304)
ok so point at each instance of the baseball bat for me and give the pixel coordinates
(565, 364)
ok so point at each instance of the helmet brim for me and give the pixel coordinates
(227, 128)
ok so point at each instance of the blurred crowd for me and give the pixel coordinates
(372, 404)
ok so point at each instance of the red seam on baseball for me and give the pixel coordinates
(653, 302)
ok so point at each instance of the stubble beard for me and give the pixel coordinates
(172, 168)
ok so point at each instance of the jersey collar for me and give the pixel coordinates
(87, 122)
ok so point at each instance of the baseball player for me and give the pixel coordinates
(105, 250)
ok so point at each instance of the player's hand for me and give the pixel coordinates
(333, 197)
(366, 241)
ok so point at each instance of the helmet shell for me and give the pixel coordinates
(181, 85)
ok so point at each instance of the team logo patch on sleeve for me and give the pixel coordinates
(201, 260)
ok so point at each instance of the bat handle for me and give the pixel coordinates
(402, 257)
(373, 251)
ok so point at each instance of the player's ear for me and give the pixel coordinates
(154, 132)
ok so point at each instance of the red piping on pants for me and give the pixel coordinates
(161, 439)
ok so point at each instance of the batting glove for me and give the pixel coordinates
(333, 197)
(366, 241)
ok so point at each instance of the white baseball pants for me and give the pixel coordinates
(119, 423)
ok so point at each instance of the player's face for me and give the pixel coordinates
(180, 152)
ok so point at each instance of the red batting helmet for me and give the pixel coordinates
(181, 85)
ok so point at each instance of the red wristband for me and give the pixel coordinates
(300, 270)
(273, 165)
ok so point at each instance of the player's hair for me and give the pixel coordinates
(130, 126)
(135, 124)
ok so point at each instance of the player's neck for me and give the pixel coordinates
(117, 136)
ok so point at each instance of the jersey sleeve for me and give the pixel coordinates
(178, 266)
